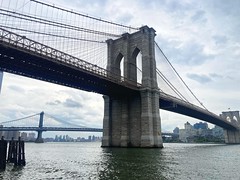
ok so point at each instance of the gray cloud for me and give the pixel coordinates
(220, 39)
(199, 78)
(54, 103)
(204, 78)
(125, 18)
(189, 53)
(16, 88)
(199, 16)
(214, 75)
(72, 104)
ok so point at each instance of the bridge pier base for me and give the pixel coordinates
(232, 136)
(39, 138)
(132, 121)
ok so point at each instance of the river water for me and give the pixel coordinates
(90, 161)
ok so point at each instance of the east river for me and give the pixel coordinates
(90, 161)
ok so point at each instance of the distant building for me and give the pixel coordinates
(176, 130)
(200, 125)
(89, 138)
(11, 134)
(200, 132)
(187, 134)
(218, 132)
(31, 136)
(24, 136)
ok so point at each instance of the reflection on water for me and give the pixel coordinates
(90, 161)
(132, 163)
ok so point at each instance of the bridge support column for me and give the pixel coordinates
(132, 121)
(39, 138)
(232, 136)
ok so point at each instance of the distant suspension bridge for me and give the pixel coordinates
(31, 123)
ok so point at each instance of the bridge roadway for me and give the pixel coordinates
(49, 129)
(22, 56)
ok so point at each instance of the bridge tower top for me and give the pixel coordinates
(232, 116)
(41, 120)
(127, 48)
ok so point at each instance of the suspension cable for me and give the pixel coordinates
(54, 35)
(62, 121)
(180, 77)
(20, 118)
(84, 15)
(57, 24)
(171, 85)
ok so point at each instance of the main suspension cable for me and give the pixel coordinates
(180, 77)
(84, 15)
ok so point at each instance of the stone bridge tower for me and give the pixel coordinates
(133, 120)
(232, 136)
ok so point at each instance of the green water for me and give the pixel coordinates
(90, 161)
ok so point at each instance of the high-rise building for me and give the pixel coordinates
(24, 136)
(187, 133)
(218, 132)
(31, 136)
(176, 130)
(11, 134)
(188, 126)
(200, 125)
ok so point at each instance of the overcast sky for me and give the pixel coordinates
(200, 38)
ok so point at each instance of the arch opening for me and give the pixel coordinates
(137, 59)
(120, 64)
(235, 119)
(228, 119)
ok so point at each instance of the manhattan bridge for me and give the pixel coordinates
(123, 63)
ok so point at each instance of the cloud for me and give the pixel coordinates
(18, 89)
(214, 75)
(199, 78)
(54, 103)
(202, 78)
(186, 53)
(220, 39)
(199, 16)
(71, 103)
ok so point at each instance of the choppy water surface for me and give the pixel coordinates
(90, 161)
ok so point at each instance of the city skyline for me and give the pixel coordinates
(203, 51)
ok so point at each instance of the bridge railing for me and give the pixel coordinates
(27, 45)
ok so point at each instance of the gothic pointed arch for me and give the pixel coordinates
(119, 63)
(137, 61)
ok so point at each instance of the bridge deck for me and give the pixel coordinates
(173, 104)
(22, 56)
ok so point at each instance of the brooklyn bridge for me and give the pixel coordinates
(95, 55)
